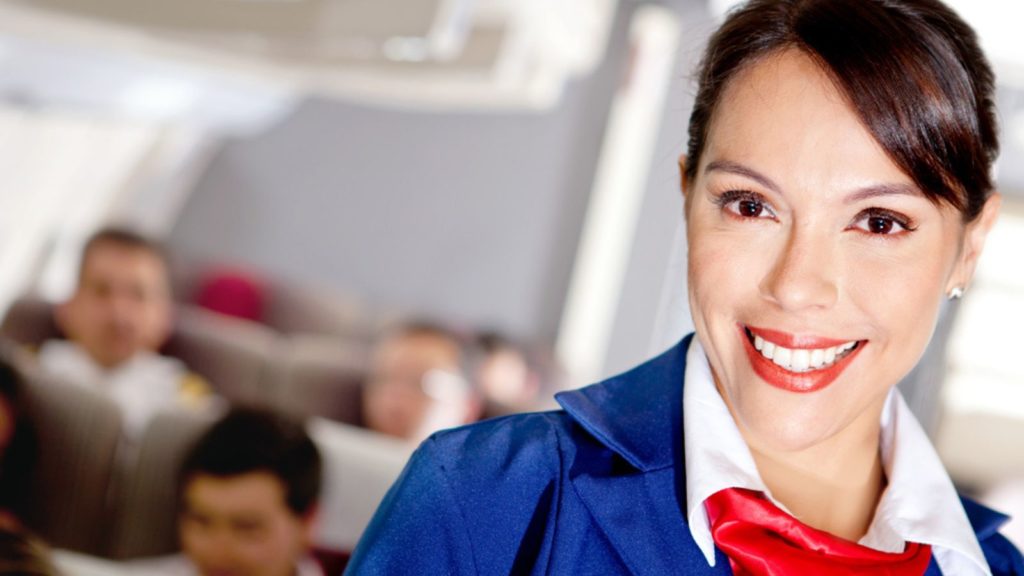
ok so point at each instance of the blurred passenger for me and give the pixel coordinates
(116, 320)
(504, 376)
(417, 384)
(17, 449)
(249, 492)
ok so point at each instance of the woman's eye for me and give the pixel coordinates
(749, 208)
(745, 205)
(882, 223)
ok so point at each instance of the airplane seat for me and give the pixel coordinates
(232, 354)
(285, 306)
(78, 433)
(29, 322)
(321, 376)
(145, 514)
(359, 467)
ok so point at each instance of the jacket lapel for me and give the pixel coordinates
(634, 491)
(640, 516)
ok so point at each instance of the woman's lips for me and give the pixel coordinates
(797, 363)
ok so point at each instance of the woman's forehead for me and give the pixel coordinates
(784, 116)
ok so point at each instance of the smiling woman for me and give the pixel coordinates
(851, 263)
(837, 190)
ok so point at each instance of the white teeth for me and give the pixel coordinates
(801, 359)
(783, 356)
(818, 358)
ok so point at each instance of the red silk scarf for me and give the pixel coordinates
(762, 540)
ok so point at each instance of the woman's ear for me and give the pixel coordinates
(683, 184)
(974, 241)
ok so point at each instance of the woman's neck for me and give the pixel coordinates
(834, 486)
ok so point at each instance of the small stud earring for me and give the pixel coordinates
(956, 293)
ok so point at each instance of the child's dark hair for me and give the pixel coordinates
(250, 440)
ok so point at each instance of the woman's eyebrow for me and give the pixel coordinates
(877, 190)
(865, 193)
(741, 170)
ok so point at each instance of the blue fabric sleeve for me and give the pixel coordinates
(419, 527)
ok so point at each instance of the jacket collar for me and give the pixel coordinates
(637, 414)
(985, 521)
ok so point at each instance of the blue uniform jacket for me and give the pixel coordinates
(596, 488)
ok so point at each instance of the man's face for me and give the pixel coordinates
(121, 305)
(241, 526)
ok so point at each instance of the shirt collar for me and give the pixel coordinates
(919, 504)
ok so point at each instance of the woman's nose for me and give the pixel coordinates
(801, 275)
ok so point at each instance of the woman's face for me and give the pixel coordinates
(809, 245)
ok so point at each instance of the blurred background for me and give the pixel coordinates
(500, 165)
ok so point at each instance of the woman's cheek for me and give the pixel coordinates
(901, 278)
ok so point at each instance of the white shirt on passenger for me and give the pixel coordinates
(919, 503)
(141, 386)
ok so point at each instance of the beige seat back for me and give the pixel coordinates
(359, 468)
(78, 433)
(29, 322)
(231, 354)
(145, 514)
(320, 376)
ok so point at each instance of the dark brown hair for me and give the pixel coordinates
(912, 69)
(124, 238)
(249, 440)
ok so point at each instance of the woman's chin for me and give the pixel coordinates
(778, 421)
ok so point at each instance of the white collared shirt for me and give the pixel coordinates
(141, 386)
(919, 503)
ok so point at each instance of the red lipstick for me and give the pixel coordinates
(802, 382)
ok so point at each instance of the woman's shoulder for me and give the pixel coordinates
(468, 497)
(519, 444)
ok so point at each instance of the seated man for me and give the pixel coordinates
(417, 385)
(249, 490)
(116, 320)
